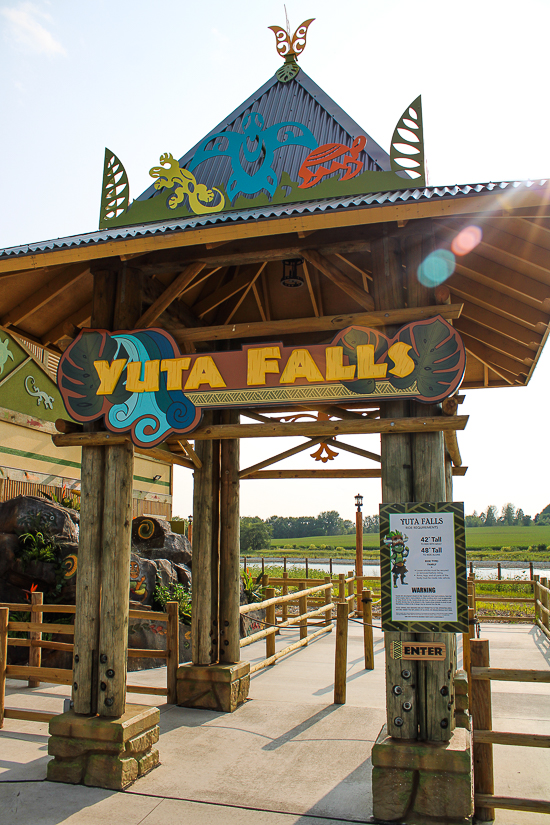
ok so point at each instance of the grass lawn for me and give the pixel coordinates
(477, 539)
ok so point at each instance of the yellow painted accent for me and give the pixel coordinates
(170, 175)
(109, 374)
(366, 368)
(300, 365)
(204, 371)
(336, 371)
(150, 382)
(404, 364)
(173, 367)
(258, 364)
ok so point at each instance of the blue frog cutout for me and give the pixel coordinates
(254, 145)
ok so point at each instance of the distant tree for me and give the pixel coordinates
(508, 514)
(371, 524)
(490, 516)
(349, 527)
(330, 523)
(527, 521)
(544, 516)
(255, 534)
(473, 520)
(520, 515)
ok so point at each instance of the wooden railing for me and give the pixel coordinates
(485, 737)
(542, 605)
(34, 673)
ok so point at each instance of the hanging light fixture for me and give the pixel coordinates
(358, 502)
(291, 278)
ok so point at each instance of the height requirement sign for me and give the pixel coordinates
(423, 567)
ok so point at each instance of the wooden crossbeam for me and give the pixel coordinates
(496, 301)
(329, 429)
(350, 448)
(102, 439)
(279, 457)
(187, 448)
(68, 328)
(55, 286)
(496, 341)
(326, 322)
(169, 295)
(494, 360)
(246, 291)
(223, 294)
(309, 285)
(497, 323)
(339, 278)
(324, 474)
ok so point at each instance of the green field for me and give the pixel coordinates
(475, 537)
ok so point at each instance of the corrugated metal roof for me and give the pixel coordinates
(299, 100)
(269, 212)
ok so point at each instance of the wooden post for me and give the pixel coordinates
(173, 651)
(302, 608)
(115, 567)
(202, 556)
(499, 571)
(341, 654)
(368, 636)
(284, 564)
(545, 601)
(351, 590)
(307, 568)
(531, 570)
(328, 600)
(284, 605)
(229, 546)
(4, 619)
(215, 624)
(270, 620)
(472, 574)
(190, 530)
(35, 653)
(330, 567)
(263, 565)
(359, 556)
(482, 720)
(342, 587)
(245, 564)
(536, 597)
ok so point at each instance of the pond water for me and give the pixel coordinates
(512, 570)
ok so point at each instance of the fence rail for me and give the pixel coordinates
(34, 673)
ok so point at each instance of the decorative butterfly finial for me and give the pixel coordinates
(290, 47)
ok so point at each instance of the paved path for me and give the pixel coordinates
(287, 756)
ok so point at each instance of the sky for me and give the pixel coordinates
(143, 78)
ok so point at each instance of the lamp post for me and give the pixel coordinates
(359, 552)
(190, 530)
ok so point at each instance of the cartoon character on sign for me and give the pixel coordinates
(398, 553)
(344, 157)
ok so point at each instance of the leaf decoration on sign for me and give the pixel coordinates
(350, 341)
(407, 144)
(437, 355)
(79, 379)
(115, 193)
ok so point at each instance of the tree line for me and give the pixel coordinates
(256, 533)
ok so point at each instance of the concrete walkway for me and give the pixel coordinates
(287, 756)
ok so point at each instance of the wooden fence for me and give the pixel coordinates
(485, 737)
(34, 673)
(542, 605)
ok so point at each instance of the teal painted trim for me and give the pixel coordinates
(37, 457)
(150, 480)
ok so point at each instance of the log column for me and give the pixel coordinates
(230, 570)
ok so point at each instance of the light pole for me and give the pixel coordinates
(359, 552)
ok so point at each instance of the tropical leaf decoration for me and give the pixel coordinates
(438, 357)
(79, 379)
(407, 144)
(350, 341)
(115, 193)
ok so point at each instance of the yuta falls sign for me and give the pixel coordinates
(140, 383)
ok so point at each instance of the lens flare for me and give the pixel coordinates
(436, 268)
(466, 240)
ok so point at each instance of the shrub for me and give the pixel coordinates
(174, 593)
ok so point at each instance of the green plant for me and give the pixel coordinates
(252, 587)
(174, 593)
(72, 501)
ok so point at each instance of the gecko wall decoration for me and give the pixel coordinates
(35, 391)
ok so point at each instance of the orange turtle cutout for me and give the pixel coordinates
(345, 157)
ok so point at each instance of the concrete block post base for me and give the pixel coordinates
(420, 782)
(214, 687)
(103, 752)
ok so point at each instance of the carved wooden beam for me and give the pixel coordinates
(289, 474)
